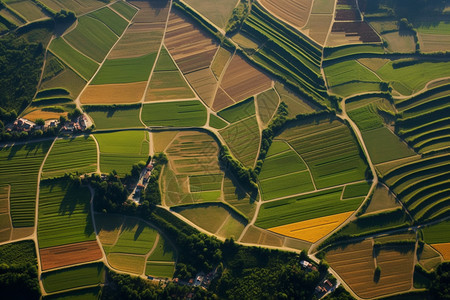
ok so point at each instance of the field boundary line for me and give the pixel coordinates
(287, 174)
(98, 153)
(304, 161)
(68, 65)
(155, 244)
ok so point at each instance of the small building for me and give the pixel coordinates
(149, 167)
(147, 176)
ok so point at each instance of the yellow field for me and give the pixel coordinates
(114, 93)
(162, 139)
(127, 263)
(444, 249)
(312, 230)
(45, 115)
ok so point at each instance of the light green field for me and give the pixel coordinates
(175, 114)
(163, 270)
(115, 118)
(168, 85)
(356, 190)
(441, 27)
(391, 148)
(216, 122)
(243, 138)
(64, 214)
(124, 9)
(286, 185)
(305, 207)
(337, 52)
(277, 147)
(415, 77)
(437, 233)
(125, 70)
(13, 161)
(238, 111)
(71, 156)
(135, 238)
(330, 151)
(120, 150)
(217, 11)
(220, 61)
(366, 117)
(75, 277)
(162, 252)
(80, 63)
(165, 62)
(92, 37)
(201, 183)
(115, 22)
(281, 164)
(267, 103)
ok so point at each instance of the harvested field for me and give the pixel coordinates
(245, 42)
(217, 11)
(382, 199)
(162, 139)
(204, 84)
(293, 12)
(5, 222)
(190, 113)
(255, 235)
(192, 49)
(433, 42)
(399, 42)
(312, 230)
(355, 263)
(45, 115)
(323, 7)
(243, 138)
(152, 10)
(79, 7)
(241, 80)
(220, 60)
(113, 93)
(139, 39)
(168, 86)
(318, 27)
(66, 255)
(373, 64)
(428, 257)
(124, 9)
(127, 263)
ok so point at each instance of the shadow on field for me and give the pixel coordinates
(31, 149)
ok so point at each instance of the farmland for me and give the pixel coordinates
(177, 114)
(29, 10)
(23, 190)
(120, 150)
(216, 11)
(168, 86)
(267, 103)
(124, 9)
(123, 93)
(78, 8)
(71, 156)
(238, 111)
(116, 23)
(289, 11)
(106, 117)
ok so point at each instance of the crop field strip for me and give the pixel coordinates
(423, 186)
(120, 150)
(220, 61)
(106, 117)
(13, 160)
(267, 103)
(71, 156)
(27, 9)
(124, 9)
(75, 6)
(193, 174)
(330, 151)
(190, 113)
(296, 105)
(218, 12)
(290, 11)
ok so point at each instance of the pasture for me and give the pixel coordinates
(120, 150)
(64, 216)
(71, 155)
(267, 104)
(217, 11)
(329, 149)
(281, 164)
(77, 61)
(108, 228)
(399, 43)
(306, 207)
(160, 269)
(169, 85)
(381, 199)
(292, 12)
(125, 70)
(123, 93)
(255, 235)
(92, 37)
(243, 138)
(13, 160)
(428, 257)
(435, 234)
(115, 22)
(238, 111)
(175, 114)
(64, 279)
(124, 9)
(106, 117)
(163, 252)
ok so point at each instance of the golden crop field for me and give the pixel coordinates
(113, 93)
(444, 249)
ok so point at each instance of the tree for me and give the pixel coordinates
(40, 122)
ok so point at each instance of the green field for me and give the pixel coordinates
(77, 61)
(124, 9)
(120, 150)
(64, 216)
(216, 122)
(281, 164)
(414, 77)
(165, 62)
(220, 61)
(162, 252)
(163, 270)
(115, 22)
(125, 70)
(136, 237)
(356, 190)
(75, 277)
(440, 27)
(175, 114)
(337, 52)
(106, 117)
(92, 37)
(13, 161)
(243, 138)
(296, 105)
(238, 111)
(217, 11)
(82, 294)
(286, 185)
(168, 85)
(267, 103)
(301, 208)
(71, 155)
(330, 151)
(434, 234)
(209, 182)
(366, 117)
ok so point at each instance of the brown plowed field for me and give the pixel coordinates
(241, 80)
(292, 11)
(360, 30)
(222, 100)
(191, 48)
(113, 93)
(355, 263)
(139, 39)
(204, 84)
(151, 11)
(71, 254)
